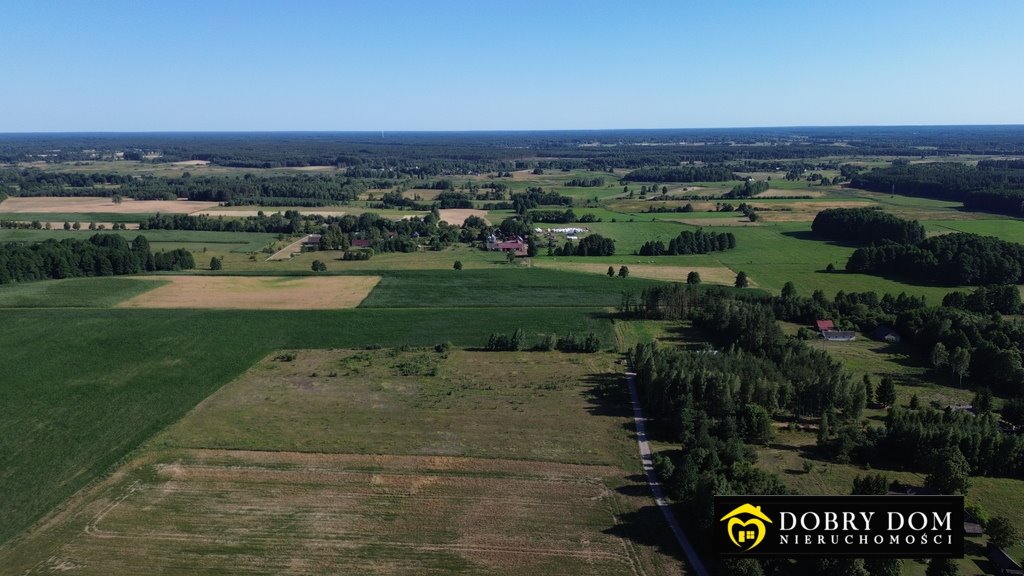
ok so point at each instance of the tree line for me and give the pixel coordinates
(98, 255)
(593, 245)
(991, 186)
(586, 182)
(704, 173)
(687, 242)
(949, 260)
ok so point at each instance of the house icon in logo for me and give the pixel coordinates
(746, 533)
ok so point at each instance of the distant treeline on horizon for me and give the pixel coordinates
(432, 153)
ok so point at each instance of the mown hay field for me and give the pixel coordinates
(255, 292)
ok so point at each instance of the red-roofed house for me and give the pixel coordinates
(517, 245)
(361, 243)
(824, 325)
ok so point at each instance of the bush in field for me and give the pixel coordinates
(504, 343)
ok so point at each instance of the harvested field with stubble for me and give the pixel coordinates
(377, 462)
(102, 204)
(710, 275)
(457, 216)
(256, 292)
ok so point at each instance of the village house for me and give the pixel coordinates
(517, 245)
(827, 330)
(311, 243)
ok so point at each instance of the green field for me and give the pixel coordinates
(74, 292)
(91, 385)
(533, 287)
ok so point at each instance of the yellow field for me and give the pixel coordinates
(90, 204)
(256, 292)
(710, 275)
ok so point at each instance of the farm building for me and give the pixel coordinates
(311, 243)
(1003, 563)
(972, 527)
(361, 243)
(823, 325)
(516, 245)
(886, 334)
(839, 335)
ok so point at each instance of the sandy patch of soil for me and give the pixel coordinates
(256, 292)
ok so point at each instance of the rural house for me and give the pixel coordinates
(311, 243)
(823, 325)
(516, 245)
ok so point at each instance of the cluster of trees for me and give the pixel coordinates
(912, 439)
(703, 173)
(559, 216)
(571, 342)
(991, 186)
(948, 260)
(99, 255)
(452, 199)
(699, 242)
(865, 226)
(534, 197)
(987, 300)
(357, 254)
(36, 182)
(977, 349)
(337, 232)
(663, 208)
(586, 182)
(593, 245)
(302, 189)
(748, 189)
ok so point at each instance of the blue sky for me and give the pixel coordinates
(481, 65)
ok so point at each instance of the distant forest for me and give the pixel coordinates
(991, 186)
(424, 154)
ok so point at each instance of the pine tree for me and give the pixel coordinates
(886, 393)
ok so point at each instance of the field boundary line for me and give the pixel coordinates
(652, 479)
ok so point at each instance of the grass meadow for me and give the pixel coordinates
(378, 462)
(92, 384)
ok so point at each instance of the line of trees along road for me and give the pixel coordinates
(99, 255)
